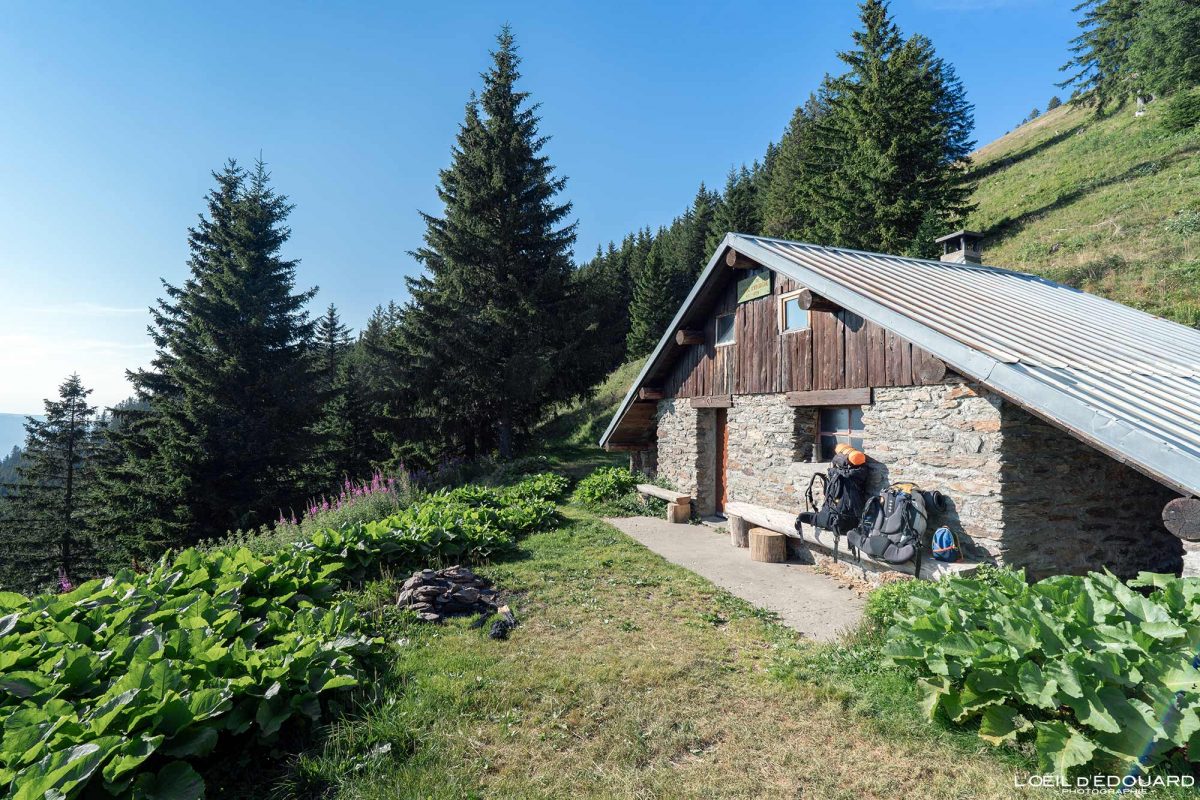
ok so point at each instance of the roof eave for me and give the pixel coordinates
(666, 339)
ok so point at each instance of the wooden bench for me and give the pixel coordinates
(679, 506)
(743, 516)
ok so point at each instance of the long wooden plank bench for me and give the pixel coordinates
(679, 506)
(743, 516)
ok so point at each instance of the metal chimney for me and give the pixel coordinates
(962, 247)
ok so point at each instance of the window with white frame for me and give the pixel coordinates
(792, 317)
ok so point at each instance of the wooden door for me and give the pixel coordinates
(722, 460)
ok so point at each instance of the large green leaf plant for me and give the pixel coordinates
(1097, 674)
(114, 686)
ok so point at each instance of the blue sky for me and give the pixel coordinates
(113, 115)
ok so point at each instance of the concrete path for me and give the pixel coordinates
(805, 600)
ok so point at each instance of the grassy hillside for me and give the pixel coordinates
(582, 423)
(1108, 204)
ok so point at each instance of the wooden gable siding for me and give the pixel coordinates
(840, 350)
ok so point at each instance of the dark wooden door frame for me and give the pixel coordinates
(721, 459)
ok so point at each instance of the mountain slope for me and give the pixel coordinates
(12, 432)
(1111, 205)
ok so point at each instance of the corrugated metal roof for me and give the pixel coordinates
(1117, 377)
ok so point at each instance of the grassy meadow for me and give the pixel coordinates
(1108, 204)
(629, 677)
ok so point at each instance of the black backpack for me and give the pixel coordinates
(845, 495)
(894, 523)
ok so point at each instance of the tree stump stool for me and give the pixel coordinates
(739, 531)
(768, 546)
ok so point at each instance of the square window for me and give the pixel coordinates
(725, 333)
(791, 316)
(836, 426)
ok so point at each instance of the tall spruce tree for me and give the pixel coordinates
(691, 252)
(334, 453)
(1165, 52)
(789, 194)
(1133, 48)
(222, 431)
(891, 151)
(1100, 67)
(332, 343)
(8, 469)
(491, 336)
(47, 529)
(385, 428)
(652, 307)
(605, 282)
(737, 211)
(761, 173)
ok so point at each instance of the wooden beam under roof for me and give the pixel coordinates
(712, 401)
(628, 447)
(830, 397)
(810, 301)
(735, 260)
(1181, 517)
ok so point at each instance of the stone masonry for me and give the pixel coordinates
(687, 450)
(1070, 508)
(1020, 491)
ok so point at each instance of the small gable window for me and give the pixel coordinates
(725, 329)
(792, 317)
(839, 426)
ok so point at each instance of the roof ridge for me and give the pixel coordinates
(931, 261)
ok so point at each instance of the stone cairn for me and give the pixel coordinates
(435, 594)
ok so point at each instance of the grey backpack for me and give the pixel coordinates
(893, 525)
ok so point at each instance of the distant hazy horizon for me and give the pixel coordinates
(12, 432)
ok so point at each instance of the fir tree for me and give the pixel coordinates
(377, 425)
(332, 343)
(737, 211)
(491, 336)
(605, 282)
(691, 237)
(220, 436)
(334, 455)
(1100, 67)
(48, 532)
(795, 171)
(8, 470)
(892, 149)
(1165, 49)
(652, 307)
(1133, 48)
(761, 174)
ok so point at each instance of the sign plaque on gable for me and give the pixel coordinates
(756, 284)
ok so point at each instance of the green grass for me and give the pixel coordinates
(583, 422)
(1108, 204)
(628, 677)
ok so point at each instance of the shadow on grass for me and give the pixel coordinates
(999, 164)
(1010, 226)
